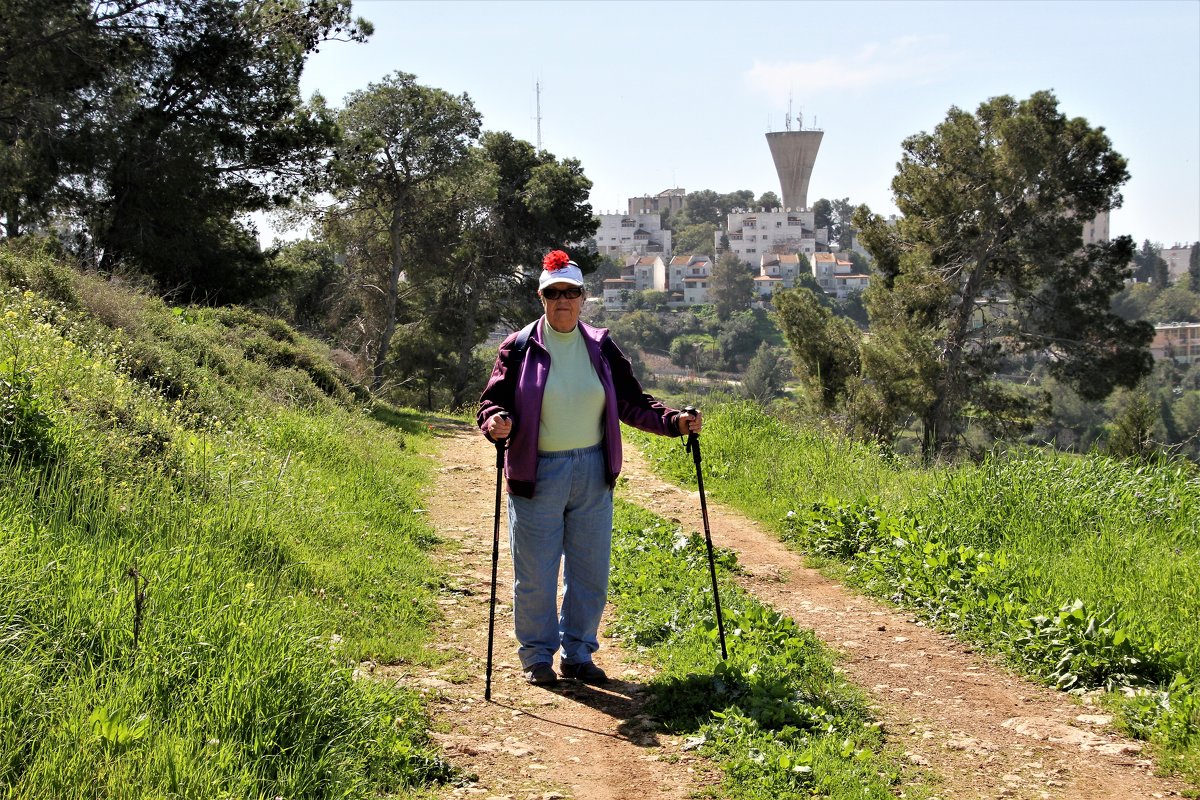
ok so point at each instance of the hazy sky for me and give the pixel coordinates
(650, 95)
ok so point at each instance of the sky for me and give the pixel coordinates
(679, 93)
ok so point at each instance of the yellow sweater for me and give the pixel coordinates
(573, 402)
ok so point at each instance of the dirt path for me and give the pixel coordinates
(530, 743)
(979, 731)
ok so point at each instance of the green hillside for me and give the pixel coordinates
(202, 533)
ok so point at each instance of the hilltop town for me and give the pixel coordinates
(785, 245)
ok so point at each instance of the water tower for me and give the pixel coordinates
(794, 153)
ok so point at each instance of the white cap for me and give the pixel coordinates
(569, 274)
(559, 268)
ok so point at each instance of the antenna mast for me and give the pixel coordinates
(538, 87)
(787, 120)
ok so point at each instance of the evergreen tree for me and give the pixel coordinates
(444, 227)
(763, 380)
(403, 173)
(837, 217)
(1131, 434)
(825, 348)
(768, 200)
(1194, 268)
(731, 286)
(157, 126)
(695, 239)
(987, 264)
(1149, 265)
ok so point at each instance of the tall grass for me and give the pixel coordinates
(1123, 537)
(770, 464)
(1085, 571)
(197, 547)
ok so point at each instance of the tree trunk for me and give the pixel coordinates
(388, 329)
(933, 425)
(461, 372)
(939, 425)
(12, 221)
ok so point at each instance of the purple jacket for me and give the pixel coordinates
(517, 385)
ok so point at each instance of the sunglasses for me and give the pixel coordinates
(570, 293)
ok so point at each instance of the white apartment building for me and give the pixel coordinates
(1177, 340)
(785, 266)
(631, 234)
(639, 274)
(1096, 230)
(695, 291)
(766, 285)
(753, 234)
(846, 285)
(824, 265)
(835, 274)
(776, 272)
(615, 292)
(687, 279)
(647, 272)
(683, 267)
(1177, 261)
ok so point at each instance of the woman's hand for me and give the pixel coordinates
(499, 427)
(690, 422)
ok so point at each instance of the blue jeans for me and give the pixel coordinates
(568, 521)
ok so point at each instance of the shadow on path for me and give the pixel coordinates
(621, 700)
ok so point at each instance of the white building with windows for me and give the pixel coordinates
(1096, 230)
(823, 266)
(785, 266)
(639, 274)
(753, 234)
(684, 267)
(647, 272)
(835, 274)
(777, 272)
(1177, 258)
(695, 291)
(632, 234)
(766, 285)
(1177, 340)
(615, 292)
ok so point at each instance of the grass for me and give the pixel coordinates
(776, 716)
(203, 530)
(201, 536)
(1083, 571)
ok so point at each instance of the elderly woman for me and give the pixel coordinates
(558, 393)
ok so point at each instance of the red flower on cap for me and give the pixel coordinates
(555, 260)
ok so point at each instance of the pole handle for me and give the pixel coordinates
(501, 443)
(693, 440)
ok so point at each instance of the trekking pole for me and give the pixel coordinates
(487, 690)
(693, 447)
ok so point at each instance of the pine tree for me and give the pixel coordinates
(988, 264)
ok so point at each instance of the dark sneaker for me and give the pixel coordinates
(587, 672)
(541, 674)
